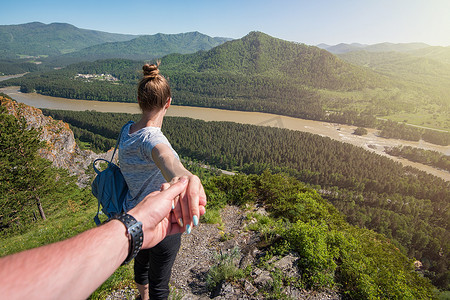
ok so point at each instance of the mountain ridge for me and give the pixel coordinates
(144, 47)
(260, 54)
(263, 73)
(36, 38)
(255, 73)
(379, 47)
(438, 53)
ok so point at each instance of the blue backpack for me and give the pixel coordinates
(109, 187)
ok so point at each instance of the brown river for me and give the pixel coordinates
(343, 133)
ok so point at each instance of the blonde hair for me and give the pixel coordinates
(153, 89)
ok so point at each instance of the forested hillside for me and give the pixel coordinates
(332, 255)
(261, 54)
(427, 79)
(406, 205)
(422, 50)
(38, 39)
(255, 73)
(262, 73)
(438, 53)
(17, 66)
(420, 70)
(145, 47)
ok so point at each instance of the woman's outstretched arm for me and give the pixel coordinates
(172, 169)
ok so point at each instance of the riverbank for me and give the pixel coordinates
(343, 133)
(6, 77)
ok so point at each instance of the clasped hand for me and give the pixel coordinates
(174, 209)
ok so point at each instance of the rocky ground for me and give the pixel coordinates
(196, 257)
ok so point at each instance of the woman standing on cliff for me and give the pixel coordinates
(147, 160)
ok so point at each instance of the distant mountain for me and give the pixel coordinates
(441, 54)
(389, 47)
(417, 62)
(323, 46)
(341, 48)
(381, 47)
(33, 39)
(424, 72)
(404, 65)
(255, 73)
(260, 54)
(143, 48)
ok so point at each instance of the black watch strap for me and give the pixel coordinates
(135, 234)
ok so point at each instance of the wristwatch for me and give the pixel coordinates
(134, 232)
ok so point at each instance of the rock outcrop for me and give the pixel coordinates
(61, 150)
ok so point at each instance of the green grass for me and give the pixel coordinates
(22, 56)
(65, 51)
(212, 216)
(67, 222)
(64, 224)
(427, 118)
(121, 278)
(68, 219)
(444, 295)
(417, 107)
(84, 145)
(225, 268)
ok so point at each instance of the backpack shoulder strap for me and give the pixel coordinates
(118, 139)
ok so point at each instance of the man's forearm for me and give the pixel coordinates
(74, 268)
(71, 269)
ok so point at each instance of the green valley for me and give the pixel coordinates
(404, 204)
(362, 225)
(334, 255)
(266, 74)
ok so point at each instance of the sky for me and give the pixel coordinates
(311, 22)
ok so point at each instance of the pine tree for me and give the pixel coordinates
(25, 177)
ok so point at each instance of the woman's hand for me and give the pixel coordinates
(155, 213)
(190, 204)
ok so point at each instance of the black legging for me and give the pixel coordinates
(154, 266)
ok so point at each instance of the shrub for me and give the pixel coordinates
(316, 263)
(360, 131)
(225, 268)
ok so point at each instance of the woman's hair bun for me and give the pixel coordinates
(150, 71)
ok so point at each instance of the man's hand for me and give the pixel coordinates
(154, 213)
(88, 259)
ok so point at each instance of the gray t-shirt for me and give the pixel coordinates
(137, 165)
